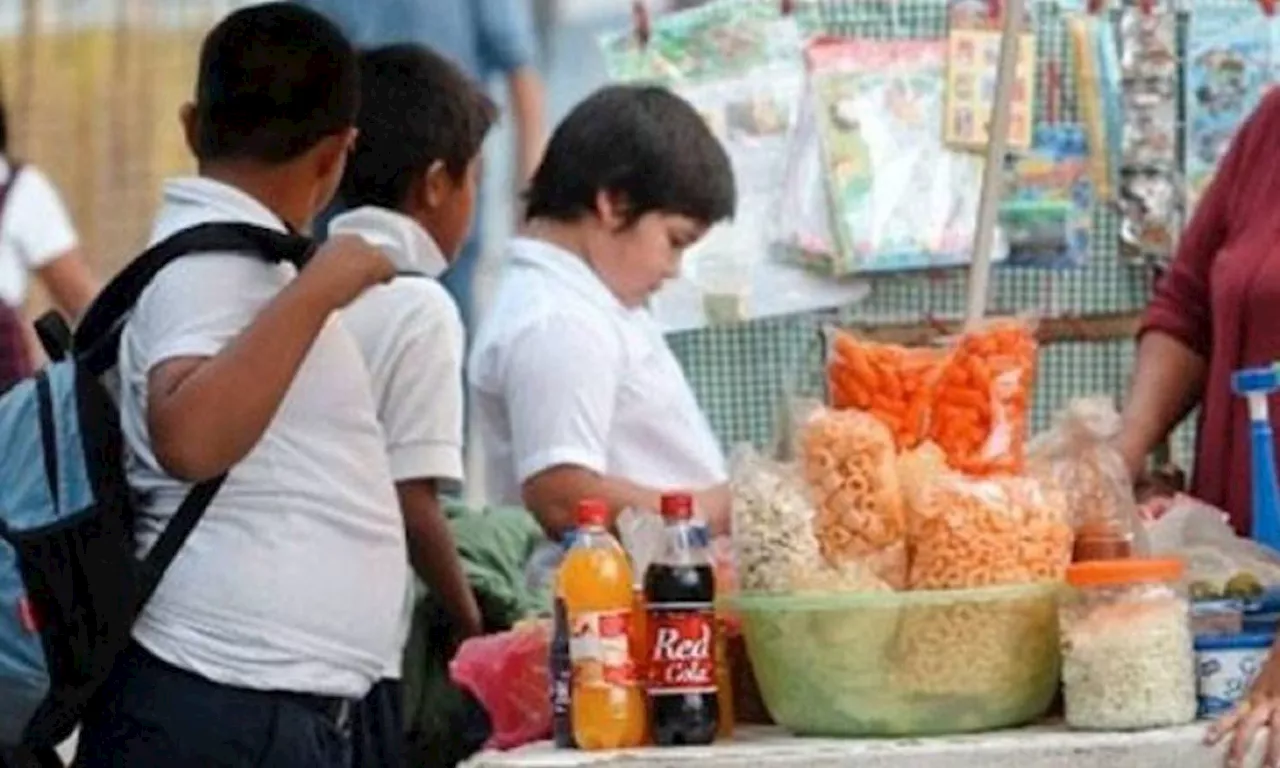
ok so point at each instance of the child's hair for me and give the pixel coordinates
(4, 129)
(274, 80)
(416, 109)
(642, 143)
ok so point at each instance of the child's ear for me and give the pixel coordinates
(611, 209)
(437, 184)
(331, 152)
(190, 128)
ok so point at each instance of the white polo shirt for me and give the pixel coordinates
(35, 229)
(411, 336)
(293, 579)
(564, 374)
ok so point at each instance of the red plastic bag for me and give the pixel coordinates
(507, 673)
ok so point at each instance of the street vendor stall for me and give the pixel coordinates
(907, 563)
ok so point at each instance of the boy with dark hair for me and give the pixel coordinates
(281, 608)
(577, 393)
(411, 185)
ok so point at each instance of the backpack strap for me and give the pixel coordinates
(96, 344)
(97, 337)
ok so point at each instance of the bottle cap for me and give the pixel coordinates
(592, 513)
(677, 506)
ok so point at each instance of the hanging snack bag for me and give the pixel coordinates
(978, 532)
(850, 464)
(892, 383)
(982, 397)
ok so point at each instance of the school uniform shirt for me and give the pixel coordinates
(35, 229)
(294, 577)
(564, 374)
(410, 335)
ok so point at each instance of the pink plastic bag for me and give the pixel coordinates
(507, 673)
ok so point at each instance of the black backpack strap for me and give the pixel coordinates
(97, 337)
(54, 334)
(171, 539)
(96, 344)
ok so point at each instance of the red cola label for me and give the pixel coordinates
(682, 648)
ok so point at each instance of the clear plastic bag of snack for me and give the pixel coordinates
(892, 383)
(774, 544)
(983, 396)
(850, 465)
(970, 532)
(1077, 455)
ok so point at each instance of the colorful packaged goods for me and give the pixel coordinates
(892, 383)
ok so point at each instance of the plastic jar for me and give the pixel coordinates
(1227, 666)
(1127, 656)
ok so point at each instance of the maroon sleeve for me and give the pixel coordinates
(1180, 305)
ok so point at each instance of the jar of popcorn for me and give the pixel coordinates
(1128, 660)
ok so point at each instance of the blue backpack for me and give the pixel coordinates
(71, 585)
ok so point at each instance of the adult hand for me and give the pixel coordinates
(1260, 710)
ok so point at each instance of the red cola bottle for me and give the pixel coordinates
(679, 590)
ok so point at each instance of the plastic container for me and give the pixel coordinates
(1127, 661)
(1226, 666)
(903, 664)
(1255, 385)
(1217, 618)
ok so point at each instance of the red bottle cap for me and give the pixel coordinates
(677, 506)
(592, 513)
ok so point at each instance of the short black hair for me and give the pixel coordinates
(643, 143)
(416, 108)
(274, 80)
(4, 128)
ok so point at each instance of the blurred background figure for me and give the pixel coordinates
(486, 39)
(36, 238)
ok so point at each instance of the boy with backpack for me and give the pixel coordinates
(281, 608)
(410, 185)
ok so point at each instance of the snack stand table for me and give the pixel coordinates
(1045, 746)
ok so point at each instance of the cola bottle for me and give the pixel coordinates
(680, 589)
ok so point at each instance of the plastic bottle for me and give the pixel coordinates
(680, 590)
(595, 582)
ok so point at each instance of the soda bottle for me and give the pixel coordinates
(607, 708)
(560, 668)
(679, 588)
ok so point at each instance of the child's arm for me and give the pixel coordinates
(553, 496)
(434, 555)
(561, 383)
(205, 414)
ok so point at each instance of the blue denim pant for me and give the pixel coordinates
(153, 715)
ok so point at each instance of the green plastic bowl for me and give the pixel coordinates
(906, 663)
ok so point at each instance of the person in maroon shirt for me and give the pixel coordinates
(1215, 311)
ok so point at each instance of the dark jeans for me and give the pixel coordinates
(377, 728)
(154, 715)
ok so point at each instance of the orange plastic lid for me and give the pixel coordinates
(1101, 573)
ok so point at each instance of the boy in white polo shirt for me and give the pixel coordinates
(410, 186)
(280, 610)
(577, 393)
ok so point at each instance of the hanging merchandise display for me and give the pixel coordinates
(973, 51)
(739, 63)
(1048, 201)
(1151, 191)
(901, 199)
(1228, 66)
(1097, 80)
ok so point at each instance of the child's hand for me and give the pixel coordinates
(347, 265)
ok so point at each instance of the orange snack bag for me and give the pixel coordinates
(981, 399)
(890, 382)
(976, 532)
(850, 465)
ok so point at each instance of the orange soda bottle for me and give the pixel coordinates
(595, 581)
